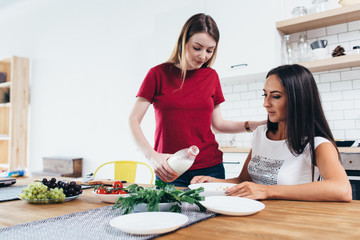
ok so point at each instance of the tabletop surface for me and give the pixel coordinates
(279, 220)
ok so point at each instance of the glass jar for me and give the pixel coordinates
(299, 11)
(319, 5)
(303, 51)
(286, 51)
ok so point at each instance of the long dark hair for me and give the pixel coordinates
(305, 118)
(195, 24)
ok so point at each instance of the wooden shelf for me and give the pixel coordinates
(5, 104)
(4, 137)
(334, 63)
(5, 85)
(318, 20)
(14, 114)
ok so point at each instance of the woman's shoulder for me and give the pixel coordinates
(319, 140)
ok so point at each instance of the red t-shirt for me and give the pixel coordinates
(183, 116)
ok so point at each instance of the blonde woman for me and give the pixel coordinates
(186, 94)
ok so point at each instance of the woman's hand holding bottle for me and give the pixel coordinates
(161, 166)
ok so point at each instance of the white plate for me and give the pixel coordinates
(149, 222)
(235, 206)
(110, 198)
(163, 207)
(212, 188)
(46, 201)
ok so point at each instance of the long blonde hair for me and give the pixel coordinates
(195, 24)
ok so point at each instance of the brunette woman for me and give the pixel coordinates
(294, 156)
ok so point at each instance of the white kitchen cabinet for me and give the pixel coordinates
(233, 163)
(247, 36)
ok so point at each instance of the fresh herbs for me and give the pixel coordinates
(165, 193)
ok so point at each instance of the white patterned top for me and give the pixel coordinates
(272, 163)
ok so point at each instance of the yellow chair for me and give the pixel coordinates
(126, 170)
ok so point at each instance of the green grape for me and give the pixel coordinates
(40, 191)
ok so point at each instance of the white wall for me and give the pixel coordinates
(88, 59)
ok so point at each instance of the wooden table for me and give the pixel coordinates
(279, 220)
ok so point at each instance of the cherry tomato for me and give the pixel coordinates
(118, 184)
(122, 192)
(101, 191)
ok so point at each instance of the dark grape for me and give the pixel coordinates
(72, 184)
(44, 181)
(66, 186)
(53, 180)
(59, 184)
(77, 187)
(53, 185)
(71, 190)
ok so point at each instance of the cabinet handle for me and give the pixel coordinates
(231, 162)
(239, 65)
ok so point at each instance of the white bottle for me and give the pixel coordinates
(183, 159)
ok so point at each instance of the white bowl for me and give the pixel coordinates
(110, 198)
(163, 207)
(212, 188)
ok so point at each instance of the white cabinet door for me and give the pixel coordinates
(248, 35)
(233, 163)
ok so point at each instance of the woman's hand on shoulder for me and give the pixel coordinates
(161, 166)
(249, 190)
(202, 179)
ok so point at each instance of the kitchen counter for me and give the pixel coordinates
(279, 220)
(230, 149)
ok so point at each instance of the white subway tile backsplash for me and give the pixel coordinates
(256, 85)
(227, 89)
(334, 115)
(354, 25)
(247, 95)
(343, 85)
(349, 36)
(352, 134)
(241, 104)
(227, 105)
(352, 113)
(330, 77)
(331, 96)
(327, 106)
(352, 94)
(350, 75)
(316, 33)
(338, 134)
(335, 29)
(356, 84)
(342, 105)
(332, 39)
(256, 103)
(232, 96)
(324, 87)
(344, 124)
(241, 87)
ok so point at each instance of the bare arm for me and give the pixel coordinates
(220, 125)
(334, 187)
(161, 167)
